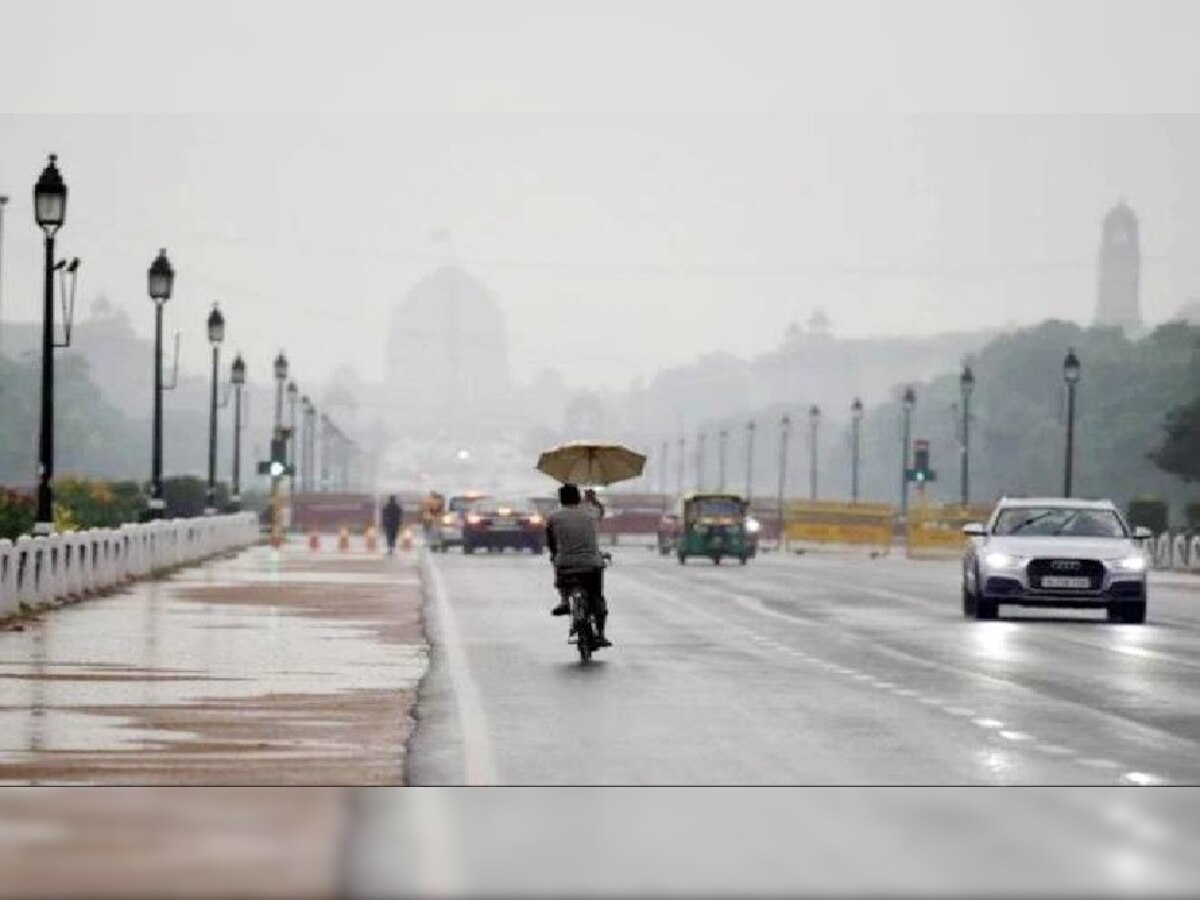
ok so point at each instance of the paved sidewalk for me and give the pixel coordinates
(270, 667)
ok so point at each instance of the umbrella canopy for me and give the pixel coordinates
(587, 463)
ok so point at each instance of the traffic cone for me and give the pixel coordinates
(314, 540)
(406, 540)
(372, 540)
(344, 540)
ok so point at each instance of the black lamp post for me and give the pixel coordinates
(50, 211)
(216, 334)
(908, 401)
(293, 393)
(160, 281)
(750, 428)
(1071, 373)
(237, 375)
(307, 445)
(814, 431)
(281, 374)
(785, 427)
(680, 463)
(856, 417)
(966, 387)
(722, 445)
(701, 440)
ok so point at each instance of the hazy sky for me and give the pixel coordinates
(638, 182)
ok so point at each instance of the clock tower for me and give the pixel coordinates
(1118, 302)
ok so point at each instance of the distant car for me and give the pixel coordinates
(494, 525)
(1075, 554)
(446, 531)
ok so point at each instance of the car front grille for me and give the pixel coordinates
(1092, 569)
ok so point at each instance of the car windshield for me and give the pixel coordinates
(722, 507)
(1059, 521)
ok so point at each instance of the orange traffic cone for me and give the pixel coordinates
(344, 540)
(314, 540)
(372, 540)
(406, 539)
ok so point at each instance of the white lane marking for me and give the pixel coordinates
(1099, 763)
(991, 724)
(960, 711)
(1016, 736)
(1142, 778)
(1055, 750)
(478, 759)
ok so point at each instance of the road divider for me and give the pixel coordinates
(826, 523)
(936, 530)
(36, 571)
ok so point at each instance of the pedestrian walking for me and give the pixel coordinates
(393, 517)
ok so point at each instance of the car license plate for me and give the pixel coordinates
(505, 526)
(1066, 581)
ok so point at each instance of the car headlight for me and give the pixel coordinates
(753, 526)
(1130, 564)
(997, 560)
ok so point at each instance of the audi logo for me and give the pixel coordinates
(1064, 565)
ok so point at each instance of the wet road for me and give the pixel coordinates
(798, 670)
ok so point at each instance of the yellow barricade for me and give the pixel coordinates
(937, 530)
(830, 522)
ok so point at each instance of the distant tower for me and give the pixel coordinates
(1119, 271)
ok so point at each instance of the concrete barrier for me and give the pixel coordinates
(38, 571)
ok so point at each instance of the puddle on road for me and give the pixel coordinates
(217, 640)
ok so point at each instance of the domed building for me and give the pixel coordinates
(447, 356)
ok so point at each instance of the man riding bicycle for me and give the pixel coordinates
(575, 553)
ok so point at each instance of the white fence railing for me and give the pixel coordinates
(36, 571)
(1176, 552)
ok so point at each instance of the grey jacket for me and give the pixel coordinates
(571, 538)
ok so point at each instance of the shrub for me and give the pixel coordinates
(1149, 512)
(16, 514)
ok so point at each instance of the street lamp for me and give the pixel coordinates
(216, 334)
(679, 465)
(293, 393)
(814, 426)
(307, 447)
(966, 387)
(908, 401)
(856, 417)
(722, 442)
(237, 375)
(281, 374)
(750, 427)
(1071, 373)
(700, 447)
(785, 426)
(50, 211)
(160, 281)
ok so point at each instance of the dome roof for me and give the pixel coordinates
(454, 289)
(1122, 212)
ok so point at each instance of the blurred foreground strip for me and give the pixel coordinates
(170, 842)
(674, 842)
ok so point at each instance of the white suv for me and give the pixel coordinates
(1077, 554)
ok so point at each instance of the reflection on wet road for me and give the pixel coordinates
(277, 667)
(800, 670)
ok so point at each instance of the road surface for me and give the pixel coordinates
(797, 670)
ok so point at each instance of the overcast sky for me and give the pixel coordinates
(639, 183)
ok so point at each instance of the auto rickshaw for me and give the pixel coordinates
(714, 526)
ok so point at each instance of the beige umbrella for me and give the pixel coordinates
(588, 463)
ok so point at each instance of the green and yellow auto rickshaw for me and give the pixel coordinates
(714, 526)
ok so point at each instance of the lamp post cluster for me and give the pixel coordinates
(50, 206)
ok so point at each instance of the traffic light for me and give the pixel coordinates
(277, 466)
(920, 471)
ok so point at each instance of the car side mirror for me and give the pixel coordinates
(974, 529)
(1142, 533)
